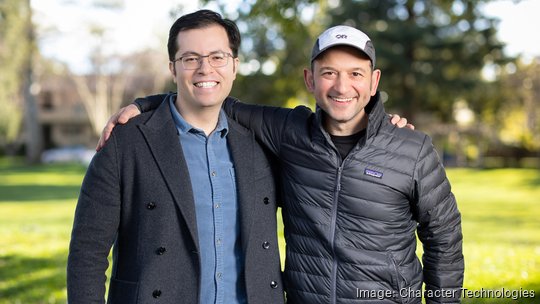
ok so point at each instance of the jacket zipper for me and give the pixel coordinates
(333, 235)
(398, 275)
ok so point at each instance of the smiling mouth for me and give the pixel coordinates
(341, 100)
(206, 84)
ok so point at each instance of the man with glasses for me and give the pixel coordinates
(185, 194)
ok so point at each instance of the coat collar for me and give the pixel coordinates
(162, 137)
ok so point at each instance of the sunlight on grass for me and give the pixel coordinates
(35, 224)
(500, 210)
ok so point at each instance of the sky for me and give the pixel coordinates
(63, 26)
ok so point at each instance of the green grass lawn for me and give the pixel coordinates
(500, 209)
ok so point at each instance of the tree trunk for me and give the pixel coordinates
(33, 138)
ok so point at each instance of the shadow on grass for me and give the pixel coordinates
(32, 280)
(32, 193)
(535, 182)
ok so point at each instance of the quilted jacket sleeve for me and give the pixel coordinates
(149, 103)
(267, 123)
(439, 228)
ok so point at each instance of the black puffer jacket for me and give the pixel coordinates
(350, 224)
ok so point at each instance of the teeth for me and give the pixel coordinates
(208, 84)
(342, 99)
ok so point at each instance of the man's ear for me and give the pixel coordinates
(172, 69)
(236, 63)
(309, 80)
(375, 77)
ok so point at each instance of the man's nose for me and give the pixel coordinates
(204, 65)
(342, 83)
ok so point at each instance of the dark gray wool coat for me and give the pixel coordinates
(137, 195)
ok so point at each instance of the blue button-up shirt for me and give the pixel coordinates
(216, 206)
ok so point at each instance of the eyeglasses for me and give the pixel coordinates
(194, 61)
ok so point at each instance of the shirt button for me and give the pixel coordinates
(273, 284)
(217, 205)
(156, 294)
(265, 245)
(266, 201)
(218, 275)
(161, 250)
(151, 206)
(214, 173)
(218, 241)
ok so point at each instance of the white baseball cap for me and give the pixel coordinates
(344, 35)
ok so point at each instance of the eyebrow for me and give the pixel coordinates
(188, 53)
(324, 68)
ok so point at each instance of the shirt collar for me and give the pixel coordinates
(184, 127)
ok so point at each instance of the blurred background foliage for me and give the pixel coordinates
(442, 67)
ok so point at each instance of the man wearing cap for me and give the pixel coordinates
(356, 189)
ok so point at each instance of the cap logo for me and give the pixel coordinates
(347, 36)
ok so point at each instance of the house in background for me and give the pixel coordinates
(62, 116)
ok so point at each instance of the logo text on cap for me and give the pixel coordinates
(340, 36)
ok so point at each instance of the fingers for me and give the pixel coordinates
(106, 133)
(398, 121)
(126, 113)
(123, 115)
(394, 118)
(402, 122)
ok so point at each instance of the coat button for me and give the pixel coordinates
(266, 201)
(265, 245)
(151, 206)
(161, 250)
(156, 294)
(273, 284)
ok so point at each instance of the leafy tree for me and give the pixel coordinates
(17, 49)
(519, 106)
(276, 43)
(431, 52)
(13, 54)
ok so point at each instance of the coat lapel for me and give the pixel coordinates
(241, 146)
(162, 138)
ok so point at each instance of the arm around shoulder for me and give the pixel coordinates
(149, 103)
(268, 123)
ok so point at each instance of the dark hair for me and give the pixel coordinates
(201, 19)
